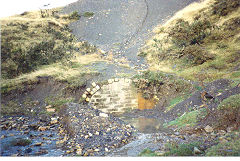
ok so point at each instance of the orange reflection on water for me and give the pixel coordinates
(145, 103)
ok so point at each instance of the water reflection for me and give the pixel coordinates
(146, 125)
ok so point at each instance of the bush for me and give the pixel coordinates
(231, 148)
(184, 33)
(197, 54)
(182, 149)
(224, 7)
(74, 15)
(229, 111)
(24, 51)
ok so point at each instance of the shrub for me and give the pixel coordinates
(74, 15)
(147, 153)
(229, 111)
(184, 33)
(25, 50)
(182, 149)
(231, 148)
(224, 7)
(197, 54)
(88, 14)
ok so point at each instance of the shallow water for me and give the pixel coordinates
(48, 139)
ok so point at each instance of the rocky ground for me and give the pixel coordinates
(26, 136)
(80, 130)
(92, 132)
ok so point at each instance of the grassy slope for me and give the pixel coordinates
(198, 43)
(27, 31)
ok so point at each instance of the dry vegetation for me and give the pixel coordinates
(202, 38)
(40, 43)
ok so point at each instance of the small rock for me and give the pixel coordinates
(54, 122)
(11, 134)
(110, 81)
(94, 84)
(86, 136)
(160, 153)
(38, 144)
(106, 149)
(176, 133)
(49, 106)
(97, 133)
(222, 132)
(103, 115)
(84, 96)
(96, 150)
(116, 79)
(28, 150)
(51, 110)
(196, 151)
(14, 155)
(68, 151)
(208, 129)
(97, 87)
(3, 136)
(60, 142)
(43, 128)
(88, 89)
(87, 99)
(90, 134)
(79, 151)
(41, 152)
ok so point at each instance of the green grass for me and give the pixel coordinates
(147, 153)
(229, 111)
(232, 102)
(187, 119)
(88, 14)
(192, 43)
(226, 148)
(173, 103)
(181, 149)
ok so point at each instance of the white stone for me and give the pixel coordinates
(84, 96)
(88, 89)
(103, 115)
(110, 81)
(97, 87)
(97, 133)
(90, 134)
(87, 99)
(208, 129)
(196, 151)
(94, 84)
(96, 150)
(116, 79)
(106, 149)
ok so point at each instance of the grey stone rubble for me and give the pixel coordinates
(94, 132)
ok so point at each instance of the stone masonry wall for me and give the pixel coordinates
(115, 97)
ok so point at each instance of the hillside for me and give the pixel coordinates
(202, 39)
(64, 97)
